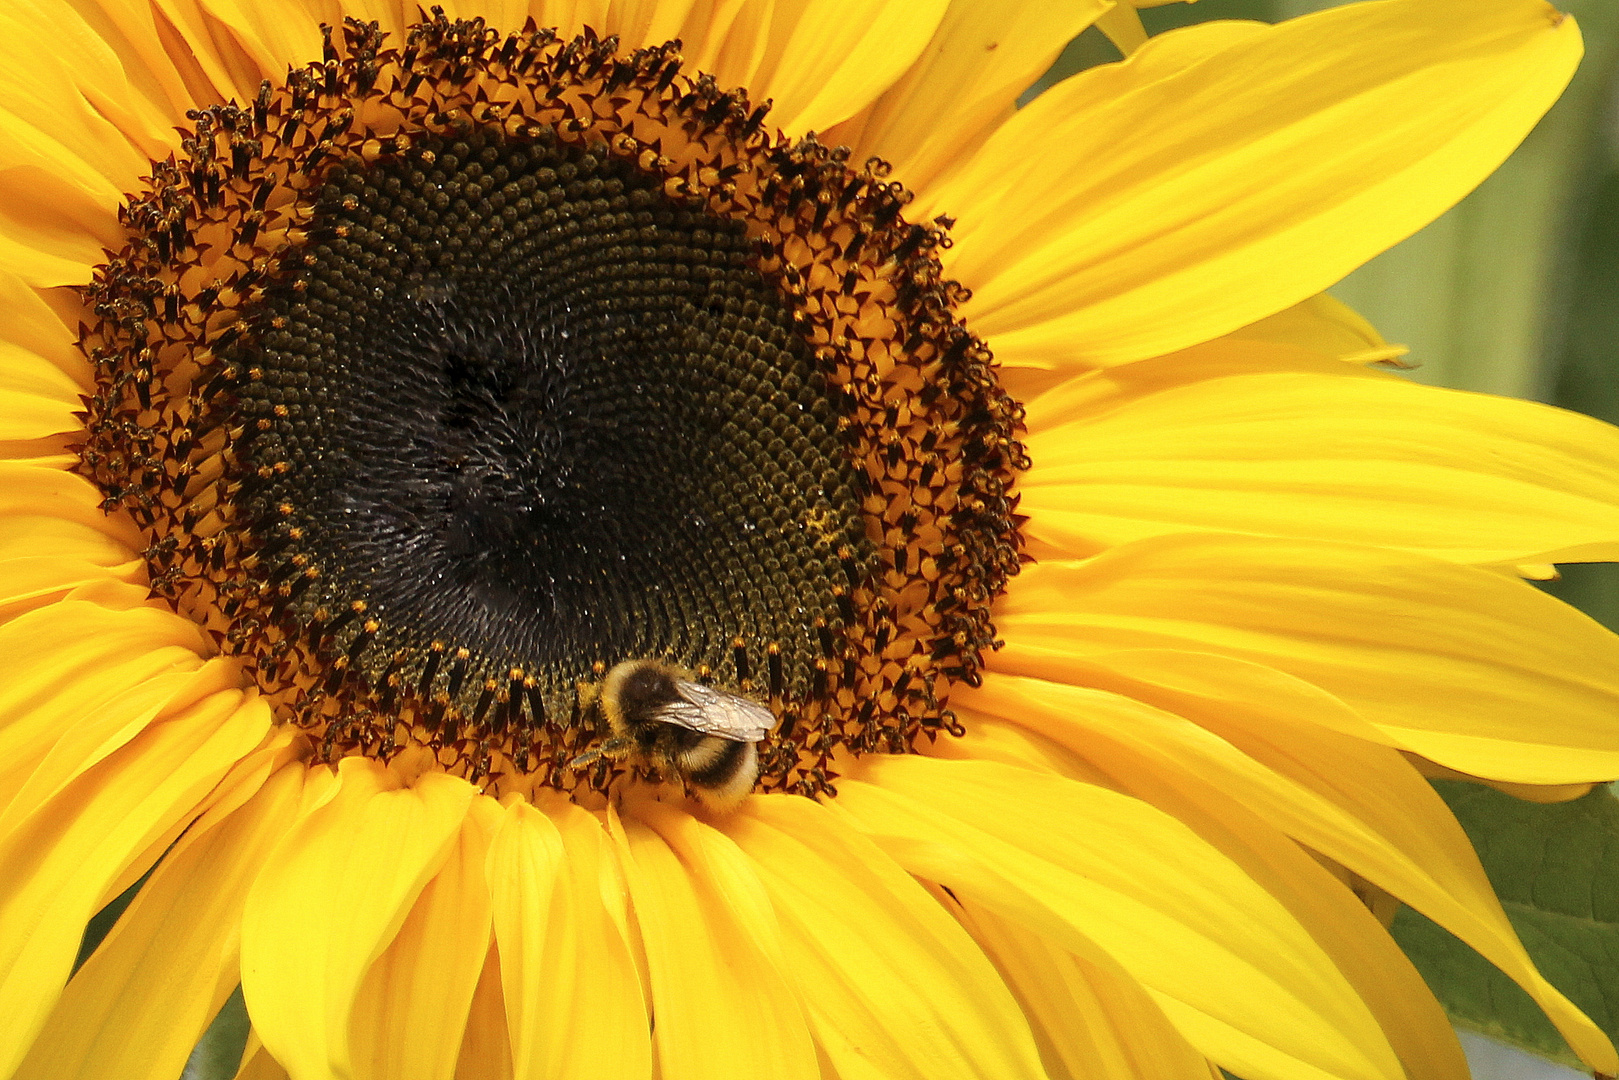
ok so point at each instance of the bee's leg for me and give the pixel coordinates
(612, 749)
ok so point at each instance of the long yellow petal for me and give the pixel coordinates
(412, 1008)
(227, 41)
(37, 398)
(96, 79)
(713, 953)
(357, 864)
(214, 686)
(573, 995)
(1470, 668)
(1231, 968)
(30, 491)
(55, 867)
(1269, 440)
(1138, 208)
(891, 985)
(1092, 1020)
(965, 83)
(1313, 772)
(1326, 325)
(820, 61)
(139, 1004)
(1205, 782)
(257, 1064)
(73, 660)
(486, 1048)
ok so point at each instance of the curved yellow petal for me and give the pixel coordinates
(37, 398)
(32, 491)
(95, 77)
(1092, 1020)
(257, 1064)
(35, 333)
(1203, 781)
(359, 861)
(965, 83)
(65, 154)
(1326, 325)
(1269, 440)
(139, 1004)
(486, 1047)
(411, 1011)
(1123, 27)
(1316, 775)
(164, 72)
(572, 992)
(713, 953)
(83, 744)
(820, 61)
(892, 986)
(76, 659)
(1225, 184)
(1231, 968)
(1468, 667)
(238, 45)
(37, 579)
(56, 867)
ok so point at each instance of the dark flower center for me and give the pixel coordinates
(521, 403)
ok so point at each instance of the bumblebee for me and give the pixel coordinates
(665, 722)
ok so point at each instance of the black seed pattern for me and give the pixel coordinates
(511, 399)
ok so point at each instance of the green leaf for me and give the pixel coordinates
(1556, 869)
(218, 1054)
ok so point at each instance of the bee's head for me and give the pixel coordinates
(634, 691)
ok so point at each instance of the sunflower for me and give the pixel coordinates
(382, 386)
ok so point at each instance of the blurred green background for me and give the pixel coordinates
(1516, 290)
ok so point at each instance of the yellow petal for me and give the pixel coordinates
(74, 660)
(1226, 183)
(1269, 440)
(486, 1047)
(1326, 325)
(573, 995)
(1228, 965)
(1470, 668)
(85, 743)
(35, 334)
(257, 1064)
(37, 579)
(1092, 1020)
(55, 867)
(1321, 780)
(821, 61)
(965, 83)
(31, 491)
(1204, 782)
(145, 996)
(1123, 27)
(357, 863)
(891, 985)
(713, 953)
(412, 1008)
(238, 45)
(37, 399)
(96, 80)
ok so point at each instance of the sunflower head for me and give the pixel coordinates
(450, 374)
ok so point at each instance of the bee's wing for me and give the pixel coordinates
(715, 712)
